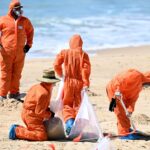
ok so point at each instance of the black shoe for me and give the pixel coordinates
(17, 96)
(14, 96)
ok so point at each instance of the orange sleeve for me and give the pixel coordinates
(131, 106)
(117, 85)
(29, 32)
(0, 29)
(42, 106)
(58, 63)
(114, 86)
(86, 70)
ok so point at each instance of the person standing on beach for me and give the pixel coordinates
(77, 69)
(16, 37)
(36, 110)
(128, 84)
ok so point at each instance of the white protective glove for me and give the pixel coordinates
(117, 94)
(85, 88)
(62, 78)
(129, 114)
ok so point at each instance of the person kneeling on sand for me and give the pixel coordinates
(36, 110)
(127, 85)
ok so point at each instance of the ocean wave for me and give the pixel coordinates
(94, 30)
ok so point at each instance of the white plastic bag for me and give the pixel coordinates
(54, 126)
(85, 125)
(57, 105)
(59, 101)
(104, 144)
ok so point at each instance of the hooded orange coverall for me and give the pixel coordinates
(77, 70)
(14, 35)
(35, 110)
(129, 83)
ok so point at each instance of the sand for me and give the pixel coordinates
(105, 64)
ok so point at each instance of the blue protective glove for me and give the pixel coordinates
(12, 134)
(69, 124)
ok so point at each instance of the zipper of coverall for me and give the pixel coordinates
(16, 33)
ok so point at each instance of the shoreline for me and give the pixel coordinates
(92, 52)
(117, 57)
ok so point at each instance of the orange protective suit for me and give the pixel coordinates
(129, 83)
(14, 35)
(77, 70)
(35, 110)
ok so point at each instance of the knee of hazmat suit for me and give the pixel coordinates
(76, 71)
(129, 83)
(15, 34)
(36, 108)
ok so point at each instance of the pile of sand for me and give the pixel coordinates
(10, 104)
(141, 119)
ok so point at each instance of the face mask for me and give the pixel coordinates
(18, 12)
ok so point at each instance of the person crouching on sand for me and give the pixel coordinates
(128, 84)
(36, 110)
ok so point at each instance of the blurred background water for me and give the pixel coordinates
(101, 23)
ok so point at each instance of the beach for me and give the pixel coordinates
(105, 64)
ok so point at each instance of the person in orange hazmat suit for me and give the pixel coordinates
(36, 110)
(16, 36)
(76, 70)
(128, 83)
